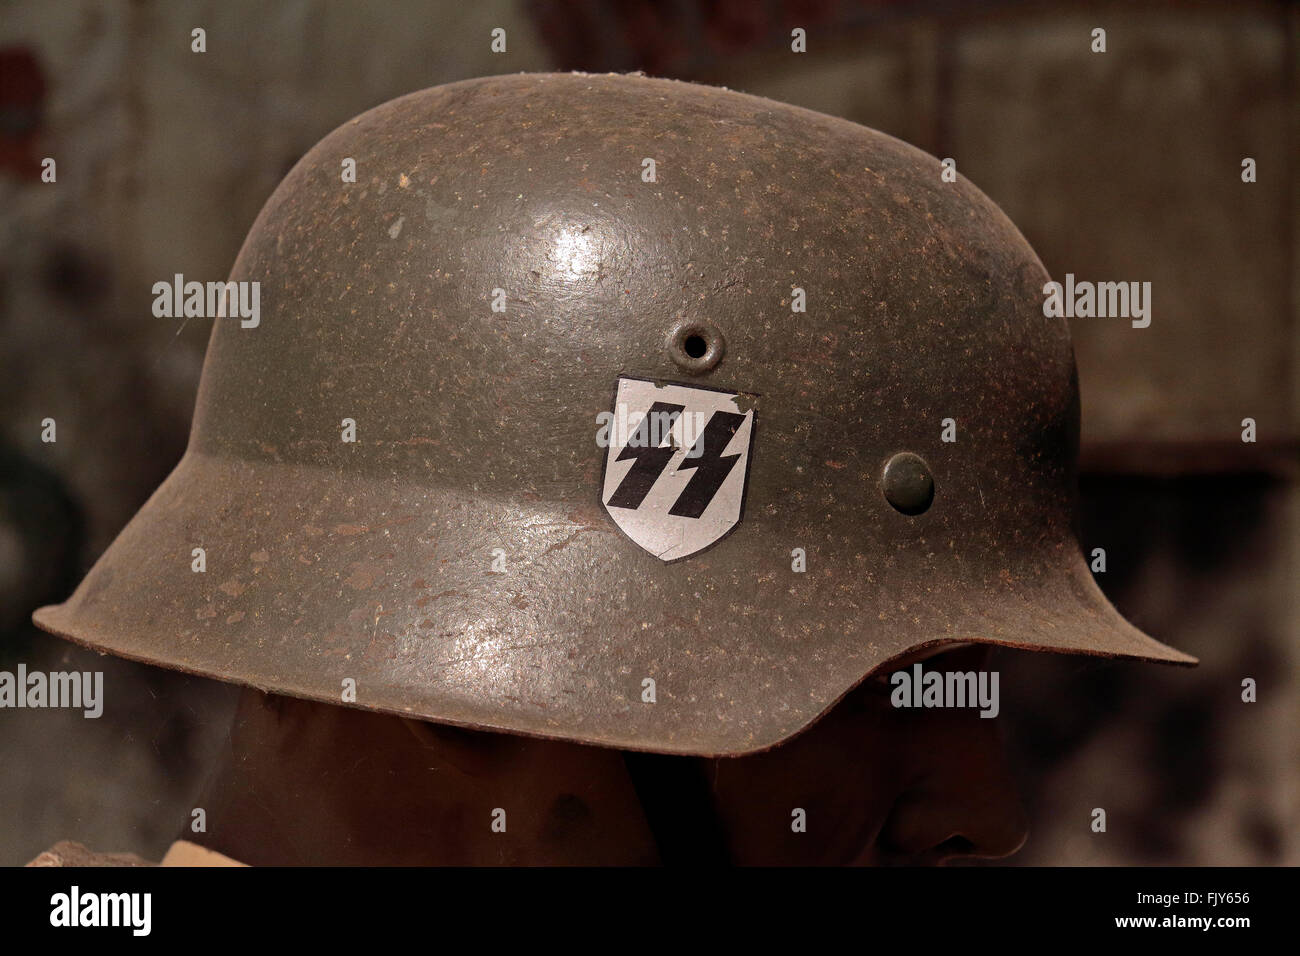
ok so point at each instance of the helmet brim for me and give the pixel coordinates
(319, 580)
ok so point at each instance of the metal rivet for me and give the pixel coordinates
(907, 483)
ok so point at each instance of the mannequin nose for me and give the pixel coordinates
(961, 801)
(926, 828)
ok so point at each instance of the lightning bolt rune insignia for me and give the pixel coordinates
(648, 463)
(711, 466)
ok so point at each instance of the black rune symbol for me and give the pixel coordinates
(710, 465)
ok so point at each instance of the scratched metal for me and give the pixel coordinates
(476, 429)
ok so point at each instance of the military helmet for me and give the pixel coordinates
(621, 410)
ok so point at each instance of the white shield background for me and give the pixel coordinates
(650, 524)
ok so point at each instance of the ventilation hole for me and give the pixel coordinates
(696, 346)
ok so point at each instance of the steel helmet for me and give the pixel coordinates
(674, 412)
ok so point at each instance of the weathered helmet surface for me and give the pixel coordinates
(477, 557)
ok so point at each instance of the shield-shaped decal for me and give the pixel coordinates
(676, 464)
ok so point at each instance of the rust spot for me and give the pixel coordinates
(234, 587)
(360, 579)
(381, 647)
(260, 557)
(837, 465)
(435, 597)
(350, 529)
(590, 517)
(692, 627)
(368, 614)
(559, 545)
(417, 440)
(235, 618)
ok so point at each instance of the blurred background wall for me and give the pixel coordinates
(1117, 166)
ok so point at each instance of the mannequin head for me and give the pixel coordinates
(311, 783)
